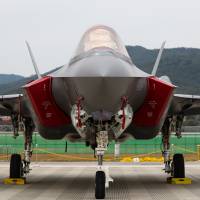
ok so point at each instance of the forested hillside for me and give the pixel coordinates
(7, 78)
(182, 65)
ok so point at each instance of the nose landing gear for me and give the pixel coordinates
(101, 179)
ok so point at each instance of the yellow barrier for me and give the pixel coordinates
(14, 181)
(142, 159)
(179, 181)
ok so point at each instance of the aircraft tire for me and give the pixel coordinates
(100, 185)
(178, 166)
(15, 166)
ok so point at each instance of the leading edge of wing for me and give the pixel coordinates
(188, 96)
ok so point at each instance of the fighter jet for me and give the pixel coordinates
(99, 97)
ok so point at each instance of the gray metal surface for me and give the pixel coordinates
(72, 181)
(100, 93)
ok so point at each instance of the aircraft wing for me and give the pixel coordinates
(185, 104)
(12, 104)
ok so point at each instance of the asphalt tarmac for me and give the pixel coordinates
(70, 181)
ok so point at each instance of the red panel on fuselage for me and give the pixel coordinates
(43, 104)
(155, 104)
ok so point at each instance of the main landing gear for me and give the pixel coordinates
(16, 169)
(20, 168)
(176, 166)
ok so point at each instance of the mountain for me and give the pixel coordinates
(8, 78)
(182, 65)
(15, 86)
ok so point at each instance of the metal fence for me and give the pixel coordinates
(187, 144)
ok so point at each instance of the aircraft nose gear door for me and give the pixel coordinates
(100, 180)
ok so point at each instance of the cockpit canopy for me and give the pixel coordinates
(98, 37)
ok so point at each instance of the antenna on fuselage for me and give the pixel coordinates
(155, 67)
(33, 61)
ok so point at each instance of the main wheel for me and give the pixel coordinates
(100, 185)
(15, 166)
(178, 166)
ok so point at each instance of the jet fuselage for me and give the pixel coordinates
(100, 89)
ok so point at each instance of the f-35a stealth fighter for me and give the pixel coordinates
(100, 96)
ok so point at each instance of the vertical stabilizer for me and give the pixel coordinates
(33, 60)
(155, 68)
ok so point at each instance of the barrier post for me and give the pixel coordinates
(198, 152)
(172, 149)
(36, 154)
(117, 150)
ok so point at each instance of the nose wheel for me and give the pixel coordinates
(100, 185)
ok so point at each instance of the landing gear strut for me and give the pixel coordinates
(18, 167)
(166, 145)
(176, 166)
(100, 180)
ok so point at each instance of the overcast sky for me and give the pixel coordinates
(54, 27)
